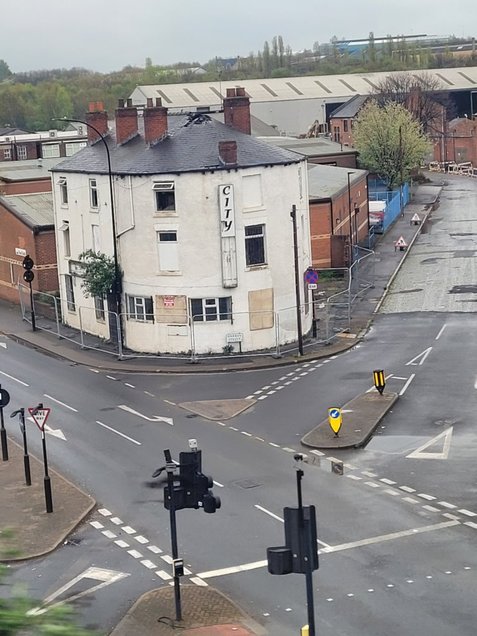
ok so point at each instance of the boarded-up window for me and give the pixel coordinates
(260, 306)
(171, 309)
(252, 191)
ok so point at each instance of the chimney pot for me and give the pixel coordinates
(155, 122)
(126, 123)
(97, 117)
(237, 110)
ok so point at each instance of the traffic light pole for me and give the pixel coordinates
(170, 467)
(33, 322)
(309, 570)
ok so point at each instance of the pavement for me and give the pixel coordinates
(28, 531)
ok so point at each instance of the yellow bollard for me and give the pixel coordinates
(305, 631)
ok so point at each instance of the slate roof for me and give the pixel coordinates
(351, 108)
(35, 210)
(191, 146)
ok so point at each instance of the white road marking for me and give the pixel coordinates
(410, 500)
(150, 394)
(117, 521)
(391, 536)
(364, 472)
(466, 512)
(109, 534)
(135, 554)
(96, 524)
(372, 484)
(232, 428)
(94, 370)
(431, 508)
(131, 386)
(128, 530)
(407, 489)
(262, 397)
(169, 402)
(471, 524)
(389, 482)
(267, 512)
(154, 549)
(141, 539)
(409, 380)
(15, 379)
(105, 512)
(247, 434)
(107, 577)
(444, 504)
(113, 430)
(232, 570)
(423, 495)
(61, 403)
(154, 418)
(198, 581)
(164, 575)
(167, 559)
(355, 477)
(393, 493)
(148, 564)
(440, 332)
(449, 515)
(444, 454)
(317, 452)
(122, 544)
(398, 377)
(110, 377)
(422, 357)
(218, 484)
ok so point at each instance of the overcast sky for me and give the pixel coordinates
(106, 35)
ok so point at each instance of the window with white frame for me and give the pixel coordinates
(99, 307)
(22, 152)
(65, 228)
(255, 245)
(7, 153)
(164, 192)
(140, 308)
(70, 293)
(211, 309)
(72, 148)
(93, 193)
(96, 238)
(168, 250)
(63, 190)
(50, 150)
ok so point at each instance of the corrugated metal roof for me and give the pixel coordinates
(330, 87)
(326, 182)
(191, 146)
(312, 146)
(32, 209)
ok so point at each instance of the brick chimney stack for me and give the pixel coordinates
(97, 117)
(228, 152)
(237, 110)
(126, 122)
(155, 121)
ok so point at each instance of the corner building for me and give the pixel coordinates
(204, 234)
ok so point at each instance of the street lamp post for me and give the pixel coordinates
(297, 281)
(117, 274)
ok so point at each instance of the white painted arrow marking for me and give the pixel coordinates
(3, 344)
(422, 355)
(107, 577)
(56, 432)
(446, 436)
(154, 418)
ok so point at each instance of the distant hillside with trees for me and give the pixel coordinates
(30, 100)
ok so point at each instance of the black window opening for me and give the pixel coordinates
(255, 245)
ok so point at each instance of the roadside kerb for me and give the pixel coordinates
(361, 416)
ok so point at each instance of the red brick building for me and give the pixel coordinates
(338, 213)
(342, 119)
(459, 143)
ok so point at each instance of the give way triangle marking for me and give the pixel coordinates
(105, 577)
(445, 436)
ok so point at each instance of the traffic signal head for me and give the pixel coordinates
(211, 503)
(28, 276)
(28, 262)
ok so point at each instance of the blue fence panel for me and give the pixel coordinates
(393, 202)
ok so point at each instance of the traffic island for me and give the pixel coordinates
(26, 529)
(205, 612)
(360, 417)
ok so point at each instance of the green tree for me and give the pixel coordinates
(99, 273)
(266, 59)
(390, 141)
(5, 71)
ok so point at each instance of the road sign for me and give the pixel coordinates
(40, 416)
(401, 243)
(335, 419)
(416, 219)
(4, 398)
(312, 286)
(311, 276)
(379, 380)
